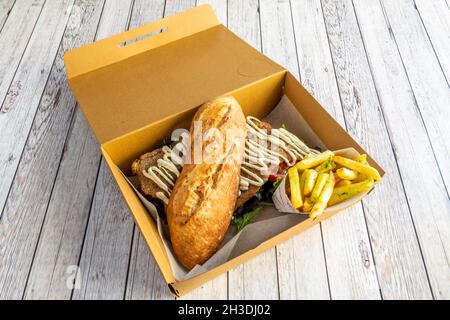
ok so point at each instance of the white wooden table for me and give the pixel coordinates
(382, 68)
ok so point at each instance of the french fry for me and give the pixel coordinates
(360, 178)
(320, 183)
(294, 181)
(343, 183)
(313, 160)
(343, 193)
(323, 199)
(307, 205)
(302, 181)
(359, 167)
(362, 158)
(310, 181)
(326, 166)
(346, 174)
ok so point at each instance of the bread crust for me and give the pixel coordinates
(203, 199)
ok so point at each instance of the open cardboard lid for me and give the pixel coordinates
(172, 65)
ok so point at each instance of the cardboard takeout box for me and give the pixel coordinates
(136, 87)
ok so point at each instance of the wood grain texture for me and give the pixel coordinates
(22, 99)
(299, 257)
(435, 16)
(19, 224)
(425, 76)
(107, 245)
(62, 235)
(144, 279)
(388, 85)
(257, 278)
(220, 8)
(5, 10)
(243, 20)
(349, 260)
(399, 265)
(175, 6)
(14, 37)
(411, 145)
(146, 11)
(42, 154)
(215, 289)
(106, 250)
(68, 212)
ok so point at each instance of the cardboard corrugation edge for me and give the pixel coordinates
(93, 56)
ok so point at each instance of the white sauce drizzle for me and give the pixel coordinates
(164, 174)
(284, 147)
(259, 157)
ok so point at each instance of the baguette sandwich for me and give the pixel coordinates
(190, 193)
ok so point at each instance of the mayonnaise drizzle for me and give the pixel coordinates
(164, 174)
(263, 153)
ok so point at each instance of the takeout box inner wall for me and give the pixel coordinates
(134, 96)
(256, 99)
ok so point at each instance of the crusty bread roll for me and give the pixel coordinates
(203, 199)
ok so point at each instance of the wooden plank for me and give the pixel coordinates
(425, 76)
(243, 19)
(397, 255)
(423, 184)
(62, 235)
(65, 221)
(175, 6)
(435, 16)
(297, 259)
(16, 239)
(349, 260)
(220, 7)
(106, 249)
(277, 34)
(145, 281)
(146, 11)
(28, 81)
(257, 278)
(5, 10)
(14, 38)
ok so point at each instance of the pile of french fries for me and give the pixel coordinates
(323, 180)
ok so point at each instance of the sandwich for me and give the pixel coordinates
(247, 172)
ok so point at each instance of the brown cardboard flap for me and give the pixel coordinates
(124, 88)
(119, 47)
